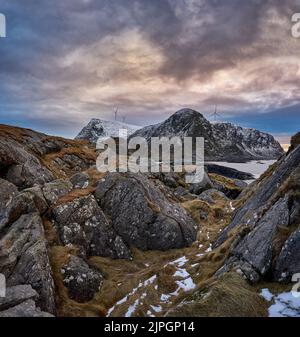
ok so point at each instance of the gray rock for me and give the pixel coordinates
(81, 222)
(16, 295)
(288, 262)
(24, 259)
(80, 180)
(25, 170)
(205, 184)
(81, 281)
(170, 179)
(285, 168)
(182, 193)
(19, 204)
(141, 214)
(255, 251)
(35, 194)
(56, 189)
(8, 192)
(210, 195)
(25, 309)
(240, 183)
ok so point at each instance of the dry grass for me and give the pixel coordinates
(230, 296)
(59, 256)
(81, 150)
(226, 182)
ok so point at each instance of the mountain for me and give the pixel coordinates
(102, 128)
(223, 141)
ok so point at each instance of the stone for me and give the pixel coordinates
(56, 189)
(81, 222)
(24, 259)
(16, 295)
(141, 214)
(25, 309)
(285, 168)
(288, 262)
(81, 280)
(80, 180)
(254, 252)
(205, 184)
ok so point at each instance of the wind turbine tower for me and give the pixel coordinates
(215, 114)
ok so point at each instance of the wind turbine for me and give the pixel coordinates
(215, 114)
(116, 113)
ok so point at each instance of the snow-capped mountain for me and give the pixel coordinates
(102, 128)
(223, 141)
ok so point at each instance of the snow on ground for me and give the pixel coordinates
(131, 309)
(186, 283)
(111, 128)
(283, 305)
(255, 167)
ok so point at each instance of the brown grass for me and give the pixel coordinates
(59, 256)
(230, 296)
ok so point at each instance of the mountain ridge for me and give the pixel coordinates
(223, 141)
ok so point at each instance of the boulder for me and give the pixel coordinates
(288, 262)
(257, 247)
(205, 184)
(16, 295)
(80, 180)
(21, 167)
(262, 193)
(21, 203)
(81, 281)
(210, 195)
(142, 215)
(35, 194)
(25, 309)
(24, 259)
(54, 190)
(8, 192)
(81, 222)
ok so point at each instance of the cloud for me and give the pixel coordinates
(67, 61)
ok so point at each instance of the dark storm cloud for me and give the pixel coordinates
(67, 61)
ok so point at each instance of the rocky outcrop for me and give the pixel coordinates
(223, 141)
(25, 309)
(80, 180)
(56, 189)
(24, 259)
(288, 262)
(261, 193)
(16, 295)
(81, 222)
(268, 222)
(19, 166)
(20, 301)
(81, 281)
(142, 215)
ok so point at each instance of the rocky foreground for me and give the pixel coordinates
(74, 242)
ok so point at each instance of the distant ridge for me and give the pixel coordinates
(223, 141)
(102, 128)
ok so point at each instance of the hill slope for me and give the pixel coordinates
(223, 141)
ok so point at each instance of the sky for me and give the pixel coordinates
(65, 62)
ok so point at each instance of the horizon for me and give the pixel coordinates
(81, 59)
